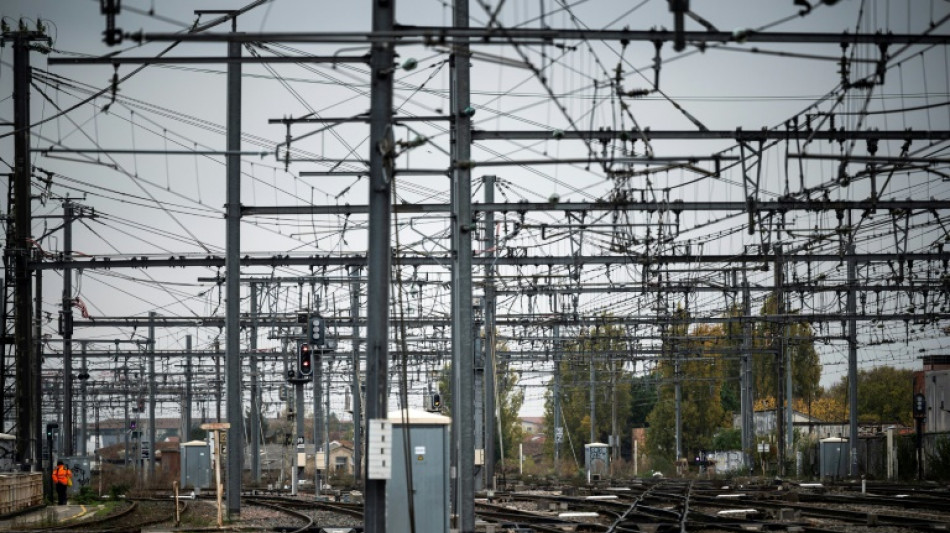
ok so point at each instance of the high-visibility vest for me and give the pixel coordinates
(61, 474)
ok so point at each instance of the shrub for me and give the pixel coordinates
(938, 462)
(86, 496)
(117, 490)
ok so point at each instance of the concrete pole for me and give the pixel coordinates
(235, 460)
(83, 450)
(593, 403)
(557, 398)
(151, 395)
(852, 363)
(789, 405)
(490, 344)
(186, 416)
(29, 446)
(462, 228)
(67, 331)
(127, 430)
(678, 393)
(298, 433)
(746, 406)
(379, 253)
(778, 342)
(318, 443)
(479, 407)
(614, 432)
(355, 387)
(326, 422)
(255, 418)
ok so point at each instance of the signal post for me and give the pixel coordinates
(307, 368)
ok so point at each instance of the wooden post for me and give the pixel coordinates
(218, 428)
(219, 489)
(177, 511)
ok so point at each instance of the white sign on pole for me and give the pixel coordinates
(379, 449)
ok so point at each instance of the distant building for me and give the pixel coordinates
(532, 425)
(935, 362)
(341, 458)
(113, 431)
(764, 424)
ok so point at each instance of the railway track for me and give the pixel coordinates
(701, 506)
(138, 514)
(656, 506)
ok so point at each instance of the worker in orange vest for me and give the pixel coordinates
(62, 478)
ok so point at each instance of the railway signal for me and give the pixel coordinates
(304, 359)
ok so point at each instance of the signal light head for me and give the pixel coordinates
(304, 359)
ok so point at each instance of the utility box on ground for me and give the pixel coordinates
(833, 455)
(196, 465)
(428, 455)
(81, 467)
(597, 460)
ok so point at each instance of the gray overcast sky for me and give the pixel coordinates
(163, 205)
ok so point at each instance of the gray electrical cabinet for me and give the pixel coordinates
(597, 459)
(196, 465)
(833, 456)
(81, 468)
(428, 447)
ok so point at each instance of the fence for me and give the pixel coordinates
(20, 491)
(872, 457)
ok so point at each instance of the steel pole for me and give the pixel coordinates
(379, 253)
(462, 227)
(235, 412)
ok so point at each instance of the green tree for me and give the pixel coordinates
(797, 340)
(509, 399)
(613, 385)
(884, 395)
(512, 398)
(695, 364)
(642, 399)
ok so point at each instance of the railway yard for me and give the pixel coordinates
(432, 266)
(651, 505)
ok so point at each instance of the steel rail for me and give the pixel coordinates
(309, 519)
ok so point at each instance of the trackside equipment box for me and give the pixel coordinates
(428, 456)
(196, 465)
